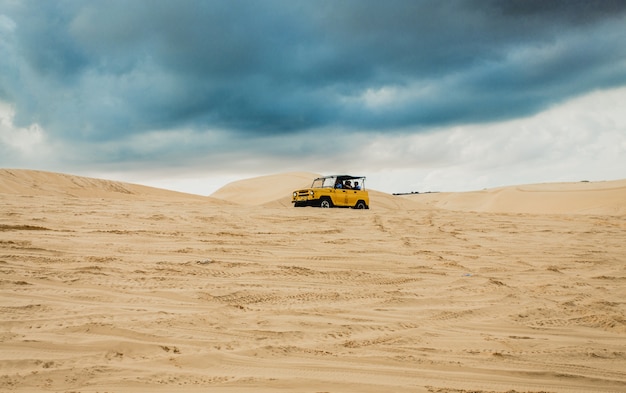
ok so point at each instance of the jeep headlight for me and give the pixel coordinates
(295, 194)
(311, 193)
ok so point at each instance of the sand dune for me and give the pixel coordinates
(111, 287)
(41, 183)
(263, 190)
(603, 198)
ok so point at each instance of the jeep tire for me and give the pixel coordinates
(360, 205)
(326, 203)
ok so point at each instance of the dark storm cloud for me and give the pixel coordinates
(108, 69)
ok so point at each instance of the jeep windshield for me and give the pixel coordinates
(321, 182)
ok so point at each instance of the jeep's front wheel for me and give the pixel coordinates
(326, 203)
(360, 205)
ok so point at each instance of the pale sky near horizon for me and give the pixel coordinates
(416, 95)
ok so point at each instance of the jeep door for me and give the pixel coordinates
(352, 196)
(341, 196)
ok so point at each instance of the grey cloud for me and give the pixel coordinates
(567, 11)
(106, 70)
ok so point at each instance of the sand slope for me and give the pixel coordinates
(41, 183)
(602, 198)
(142, 293)
(265, 189)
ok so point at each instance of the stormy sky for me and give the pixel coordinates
(416, 95)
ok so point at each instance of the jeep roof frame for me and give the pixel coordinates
(340, 178)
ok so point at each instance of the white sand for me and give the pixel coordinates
(112, 287)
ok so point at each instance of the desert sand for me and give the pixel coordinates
(113, 287)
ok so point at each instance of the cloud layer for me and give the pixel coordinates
(118, 82)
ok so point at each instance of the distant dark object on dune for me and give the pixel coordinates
(415, 192)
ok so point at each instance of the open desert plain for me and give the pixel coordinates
(114, 287)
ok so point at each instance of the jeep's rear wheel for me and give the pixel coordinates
(326, 203)
(360, 205)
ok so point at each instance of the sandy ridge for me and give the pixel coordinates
(42, 183)
(602, 198)
(608, 197)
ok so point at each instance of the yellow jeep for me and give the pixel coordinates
(334, 191)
